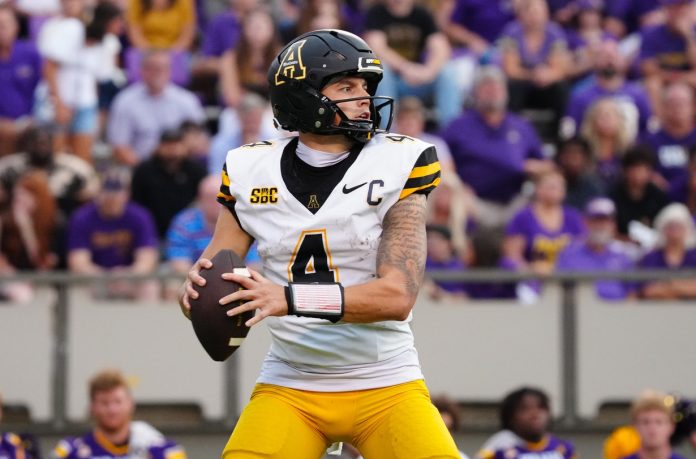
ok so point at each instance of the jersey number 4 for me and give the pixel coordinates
(311, 259)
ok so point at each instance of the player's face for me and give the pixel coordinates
(112, 409)
(348, 88)
(531, 418)
(654, 428)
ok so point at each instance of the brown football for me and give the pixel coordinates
(219, 334)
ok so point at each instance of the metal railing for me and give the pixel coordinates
(62, 282)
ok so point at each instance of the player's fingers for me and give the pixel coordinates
(191, 292)
(244, 281)
(256, 275)
(248, 306)
(196, 278)
(205, 263)
(236, 296)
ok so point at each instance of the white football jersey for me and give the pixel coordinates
(329, 237)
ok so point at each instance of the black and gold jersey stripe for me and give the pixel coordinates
(425, 175)
(224, 196)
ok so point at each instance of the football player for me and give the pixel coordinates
(338, 213)
(10, 444)
(115, 434)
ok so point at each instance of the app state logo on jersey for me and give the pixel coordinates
(292, 66)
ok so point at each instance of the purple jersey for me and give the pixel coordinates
(513, 37)
(666, 46)
(94, 445)
(112, 242)
(491, 159)
(656, 260)
(455, 265)
(630, 12)
(579, 257)
(221, 34)
(20, 72)
(542, 244)
(548, 448)
(11, 446)
(630, 97)
(486, 18)
(671, 154)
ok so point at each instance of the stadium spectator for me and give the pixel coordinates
(599, 250)
(167, 181)
(668, 51)
(37, 8)
(245, 67)
(625, 17)
(115, 434)
(539, 232)
(68, 95)
(27, 224)
(246, 125)
(220, 34)
(442, 256)
(164, 24)
(192, 228)
(114, 235)
(535, 59)
(320, 14)
(524, 417)
(27, 236)
(586, 35)
(676, 250)
(609, 80)
(625, 440)
(10, 444)
(574, 160)
(451, 202)
(143, 110)
(415, 55)
(494, 150)
(684, 190)
(653, 419)
(196, 139)
(606, 130)
(20, 71)
(677, 135)
(71, 180)
(475, 25)
(102, 40)
(635, 196)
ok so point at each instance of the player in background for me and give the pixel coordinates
(115, 434)
(10, 444)
(525, 415)
(338, 213)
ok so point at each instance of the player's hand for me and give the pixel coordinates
(187, 291)
(259, 293)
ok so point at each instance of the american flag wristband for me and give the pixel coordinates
(318, 300)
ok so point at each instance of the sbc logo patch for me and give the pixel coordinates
(265, 195)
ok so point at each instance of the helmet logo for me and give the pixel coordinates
(368, 64)
(292, 66)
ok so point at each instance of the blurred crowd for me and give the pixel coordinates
(658, 424)
(565, 128)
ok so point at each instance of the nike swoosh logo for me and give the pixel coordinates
(347, 190)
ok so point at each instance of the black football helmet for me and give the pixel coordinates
(310, 62)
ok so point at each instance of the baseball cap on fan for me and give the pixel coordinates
(600, 207)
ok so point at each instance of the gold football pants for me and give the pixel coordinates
(396, 422)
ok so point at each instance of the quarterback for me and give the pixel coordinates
(338, 213)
